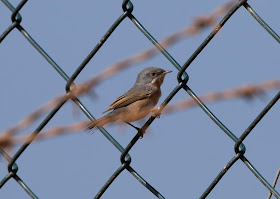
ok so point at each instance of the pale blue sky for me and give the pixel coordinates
(182, 152)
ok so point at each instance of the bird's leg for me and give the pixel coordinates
(156, 112)
(133, 126)
(138, 129)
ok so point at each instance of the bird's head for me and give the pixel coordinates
(152, 76)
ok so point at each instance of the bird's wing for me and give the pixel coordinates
(129, 98)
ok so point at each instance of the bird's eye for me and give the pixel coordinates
(153, 74)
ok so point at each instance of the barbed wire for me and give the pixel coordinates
(247, 92)
(274, 182)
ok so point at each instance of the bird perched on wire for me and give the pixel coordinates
(137, 102)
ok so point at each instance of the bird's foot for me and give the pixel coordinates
(141, 133)
(156, 113)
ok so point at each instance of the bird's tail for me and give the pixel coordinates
(94, 125)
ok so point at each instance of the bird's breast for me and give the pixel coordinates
(141, 108)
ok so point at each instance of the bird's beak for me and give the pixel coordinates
(167, 71)
(164, 73)
(159, 80)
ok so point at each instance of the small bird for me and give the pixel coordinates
(137, 102)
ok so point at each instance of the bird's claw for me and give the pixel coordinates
(156, 113)
(141, 134)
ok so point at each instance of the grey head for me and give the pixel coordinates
(152, 75)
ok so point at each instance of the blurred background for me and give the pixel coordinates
(182, 152)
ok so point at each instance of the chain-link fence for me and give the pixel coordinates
(182, 78)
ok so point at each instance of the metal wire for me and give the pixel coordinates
(182, 77)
